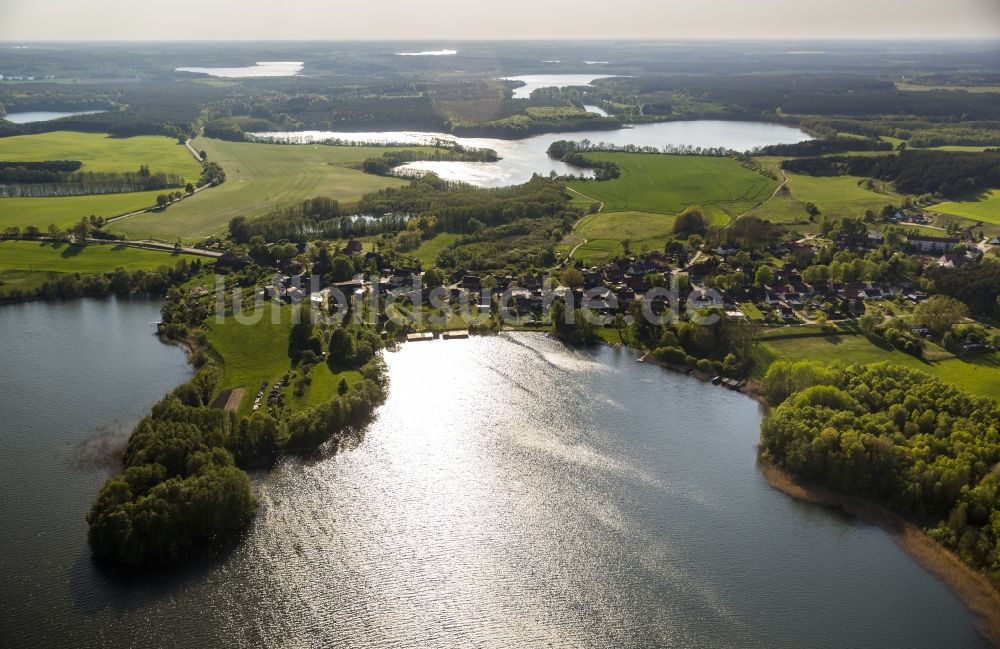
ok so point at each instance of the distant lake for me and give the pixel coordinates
(44, 115)
(259, 69)
(429, 53)
(535, 81)
(522, 158)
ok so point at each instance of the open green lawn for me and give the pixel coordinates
(323, 388)
(25, 265)
(605, 231)
(836, 197)
(100, 152)
(666, 184)
(985, 207)
(66, 211)
(252, 353)
(259, 178)
(979, 374)
(429, 250)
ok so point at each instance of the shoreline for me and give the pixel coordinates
(971, 587)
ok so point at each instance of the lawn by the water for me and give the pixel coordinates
(25, 265)
(96, 258)
(100, 152)
(259, 179)
(252, 353)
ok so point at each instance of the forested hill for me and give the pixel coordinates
(895, 436)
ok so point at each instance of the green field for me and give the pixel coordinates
(666, 184)
(252, 353)
(66, 211)
(836, 197)
(259, 178)
(99, 152)
(27, 264)
(985, 208)
(429, 250)
(605, 231)
(979, 374)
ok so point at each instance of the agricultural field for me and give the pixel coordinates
(100, 152)
(66, 211)
(27, 264)
(259, 178)
(978, 374)
(666, 184)
(985, 208)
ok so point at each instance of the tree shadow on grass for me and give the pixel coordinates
(71, 251)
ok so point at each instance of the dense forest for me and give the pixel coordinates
(825, 146)
(919, 447)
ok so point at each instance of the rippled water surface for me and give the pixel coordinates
(510, 493)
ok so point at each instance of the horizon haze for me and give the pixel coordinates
(54, 20)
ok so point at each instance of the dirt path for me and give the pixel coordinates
(230, 402)
(766, 200)
(583, 241)
(197, 156)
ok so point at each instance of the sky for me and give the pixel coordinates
(95, 20)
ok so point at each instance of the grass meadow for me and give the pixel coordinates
(27, 264)
(100, 152)
(259, 178)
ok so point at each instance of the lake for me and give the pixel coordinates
(44, 115)
(520, 159)
(259, 69)
(533, 82)
(510, 493)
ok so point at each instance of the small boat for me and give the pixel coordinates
(716, 380)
